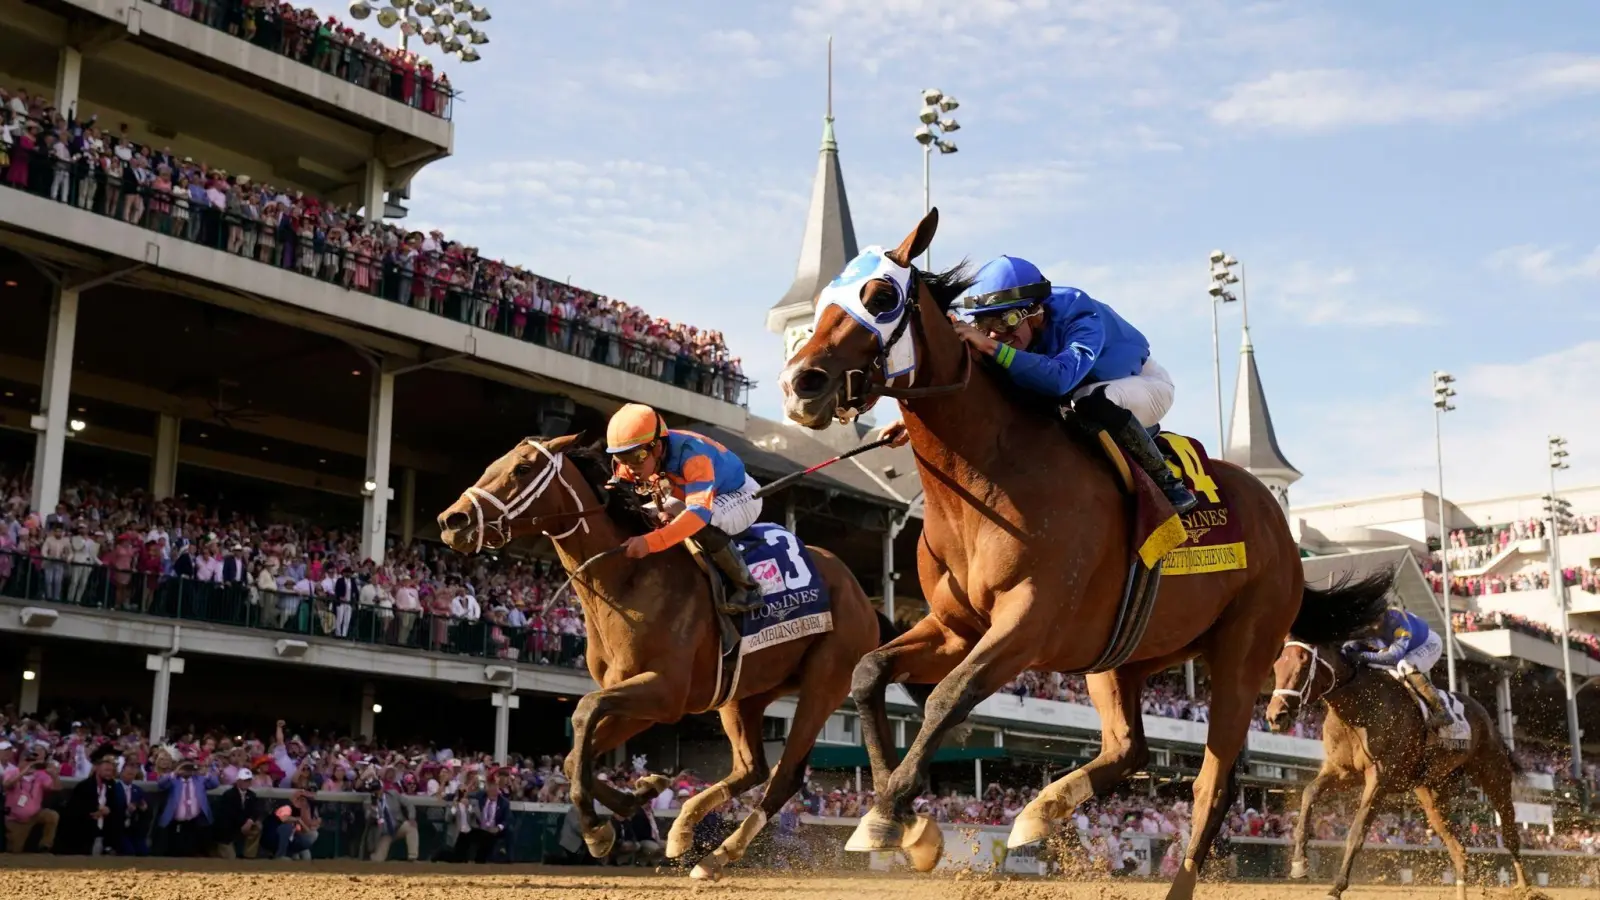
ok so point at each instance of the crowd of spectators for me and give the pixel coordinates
(1582, 641)
(1164, 695)
(1583, 578)
(101, 169)
(188, 558)
(1470, 548)
(330, 46)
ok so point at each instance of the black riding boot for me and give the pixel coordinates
(1438, 716)
(744, 594)
(1131, 436)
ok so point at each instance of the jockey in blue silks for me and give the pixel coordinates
(1406, 644)
(1064, 344)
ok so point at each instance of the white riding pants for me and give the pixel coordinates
(1148, 395)
(1422, 658)
(733, 512)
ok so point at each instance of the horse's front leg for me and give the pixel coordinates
(642, 700)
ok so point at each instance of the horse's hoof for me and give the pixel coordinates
(600, 841)
(679, 840)
(876, 832)
(1030, 827)
(1297, 869)
(650, 787)
(924, 844)
(710, 868)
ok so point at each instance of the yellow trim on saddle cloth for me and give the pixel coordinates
(1162, 541)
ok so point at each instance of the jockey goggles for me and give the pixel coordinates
(633, 457)
(1005, 321)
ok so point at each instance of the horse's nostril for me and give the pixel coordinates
(809, 384)
(456, 521)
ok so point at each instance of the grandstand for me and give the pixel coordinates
(230, 369)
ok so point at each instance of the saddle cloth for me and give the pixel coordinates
(795, 602)
(1209, 539)
(796, 598)
(1458, 734)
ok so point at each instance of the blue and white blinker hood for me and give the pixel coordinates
(873, 264)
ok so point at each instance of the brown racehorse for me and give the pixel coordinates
(1374, 736)
(654, 641)
(1023, 559)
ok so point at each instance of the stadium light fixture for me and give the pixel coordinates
(29, 675)
(1223, 278)
(452, 28)
(1443, 391)
(377, 708)
(1558, 510)
(931, 135)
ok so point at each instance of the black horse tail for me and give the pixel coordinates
(1339, 611)
(888, 631)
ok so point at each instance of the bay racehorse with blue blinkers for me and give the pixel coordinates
(655, 642)
(1023, 560)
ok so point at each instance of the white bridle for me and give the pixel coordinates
(520, 501)
(1311, 673)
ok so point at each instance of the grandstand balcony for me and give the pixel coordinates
(402, 314)
(167, 80)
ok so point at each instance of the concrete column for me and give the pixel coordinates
(504, 702)
(888, 570)
(55, 402)
(1508, 720)
(408, 506)
(788, 510)
(164, 465)
(32, 676)
(977, 777)
(364, 716)
(69, 71)
(164, 666)
(373, 190)
(380, 437)
(1188, 678)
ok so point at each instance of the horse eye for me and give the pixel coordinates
(521, 469)
(878, 296)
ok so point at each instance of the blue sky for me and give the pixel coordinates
(1410, 187)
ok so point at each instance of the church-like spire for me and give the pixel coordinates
(1252, 442)
(829, 241)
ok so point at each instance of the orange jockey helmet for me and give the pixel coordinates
(634, 425)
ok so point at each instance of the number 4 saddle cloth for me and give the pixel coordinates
(1209, 539)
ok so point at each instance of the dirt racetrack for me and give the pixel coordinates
(65, 878)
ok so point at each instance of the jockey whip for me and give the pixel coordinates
(579, 570)
(772, 488)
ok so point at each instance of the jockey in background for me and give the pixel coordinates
(699, 478)
(1065, 345)
(1408, 646)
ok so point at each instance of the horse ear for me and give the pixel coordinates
(564, 443)
(917, 241)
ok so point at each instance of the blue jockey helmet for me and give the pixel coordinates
(1006, 282)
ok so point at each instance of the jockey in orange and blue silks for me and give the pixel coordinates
(702, 484)
(1405, 644)
(1061, 343)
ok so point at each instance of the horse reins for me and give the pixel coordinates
(510, 509)
(854, 402)
(1311, 675)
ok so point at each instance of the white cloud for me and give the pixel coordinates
(1542, 265)
(1494, 442)
(1327, 99)
(1316, 295)
(736, 41)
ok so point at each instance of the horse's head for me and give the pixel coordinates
(1303, 674)
(865, 331)
(528, 490)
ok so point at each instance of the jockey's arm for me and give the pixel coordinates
(699, 491)
(1058, 375)
(1392, 654)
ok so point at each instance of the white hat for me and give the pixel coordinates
(244, 775)
(5, 745)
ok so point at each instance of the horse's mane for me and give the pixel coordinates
(948, 286)
(1337, 612)
(624, 507)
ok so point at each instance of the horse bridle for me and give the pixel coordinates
(1311, 676)
(859, 387)
(510, 509)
